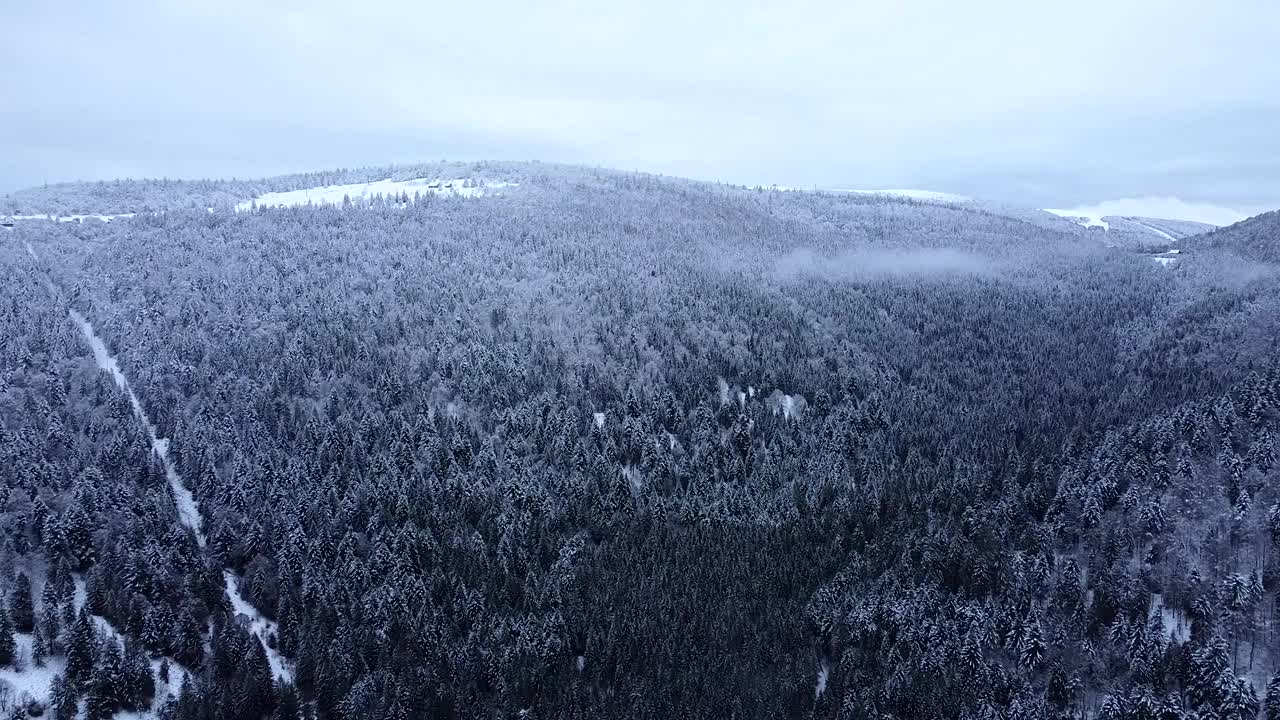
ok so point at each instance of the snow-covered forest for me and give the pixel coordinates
(589, 444)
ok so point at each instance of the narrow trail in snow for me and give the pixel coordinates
(188, 508)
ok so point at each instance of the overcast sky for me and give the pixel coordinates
(1042, 102)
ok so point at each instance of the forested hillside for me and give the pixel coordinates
(616, 446)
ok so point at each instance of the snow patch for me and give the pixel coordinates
(1175, 624)
(598, 419)
(824, 672)
(260, 627)
(359, 192)
(1081, 219)
(26, 681)
(632, 475)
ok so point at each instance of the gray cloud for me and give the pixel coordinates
(1050, 104)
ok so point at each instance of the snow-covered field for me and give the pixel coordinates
(25, 681)
(338, 194)
(1150, 207)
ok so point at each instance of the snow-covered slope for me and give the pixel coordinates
(920, 195)
(339, 194)
(71, 218)
(1148, 223)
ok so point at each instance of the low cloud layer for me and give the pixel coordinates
(869, 263)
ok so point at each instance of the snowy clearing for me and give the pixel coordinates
(1081, 218)
(337, 194)
(28, 682)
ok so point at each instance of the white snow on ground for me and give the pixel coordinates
(1155, 207)
(1155, 230)
(261, 628)
(633, 477)
(922, 195)
(1175, 624)
(598, 418)
(29, 682)
(824, 672)
(336, 194)
(1080, 219)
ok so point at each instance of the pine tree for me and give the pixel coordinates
(77, 534)
(1032, 648)
(39, 646)
(256, 685)
(8, 648)
(63, 699)
(21, 609)
(107, 688)
(138, 684)
(288, 707)
(81, 649)
(1273, 698)
(50, 617)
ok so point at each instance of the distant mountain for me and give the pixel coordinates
(1148, 223)
(1257, 238)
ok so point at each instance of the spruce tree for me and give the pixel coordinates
(63, 699)
(138, 684)
(39, 646)
(8, 648)
(81, 649)
(1272, 702)
(21, 609)
(50, 616)
(256, 684)
(107, 688)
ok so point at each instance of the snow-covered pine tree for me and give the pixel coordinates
(21, 609)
